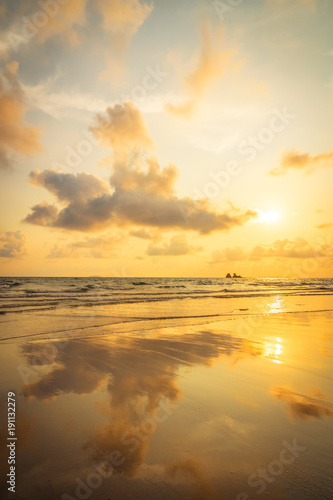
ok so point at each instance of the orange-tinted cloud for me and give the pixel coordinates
(228, 255)
(301, 406)
(121, 19)
(289, 249)
(178, 246)
(296, 160)
(212, 63)
(65, 23)
(184, 110)
(100, 247)
(326, 225)
(12, 244)
(15, 137)
(38, 22)
(296, 249)
(122, 127)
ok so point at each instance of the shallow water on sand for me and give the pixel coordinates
(168, 401)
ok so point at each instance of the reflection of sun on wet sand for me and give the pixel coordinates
(189, 411)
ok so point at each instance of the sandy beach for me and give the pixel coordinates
(182, 405)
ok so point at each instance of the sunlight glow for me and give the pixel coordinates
(267, 217)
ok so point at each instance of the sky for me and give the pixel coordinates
(164, 138)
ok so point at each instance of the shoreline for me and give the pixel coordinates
(191, 407)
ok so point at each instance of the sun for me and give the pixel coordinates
(268, 217)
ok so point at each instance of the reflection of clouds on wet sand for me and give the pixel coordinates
(140, 376)
(131, 367)
(192, 471)
(77, 369)
(302, 406)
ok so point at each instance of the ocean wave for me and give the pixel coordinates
(24, 294)
(171, 286)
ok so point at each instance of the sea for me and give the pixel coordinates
(28, 294)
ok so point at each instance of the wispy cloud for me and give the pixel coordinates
(212, 62)
(103, 246)
(288, 249)
(121, 19)
(291, 249)
(228, 255)
(297, 160)
(177, 246)
(15, 136)
(59, 105)
(326, 225)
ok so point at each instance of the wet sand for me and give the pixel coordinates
(111, 404)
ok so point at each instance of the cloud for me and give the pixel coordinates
(6, 161)
(14, 135)
(142, 193)
(184, 110)
(302, 406)
(69, 187)
(12, 244)
(153, 181)
(228, 255)
(123, 128)
(287, 249)
(140, 198)
(43, 96)
(296, 160)
(296, 249)
(100, 247)
(60, 252)
(65, 23)
(30, 22)
(141, 233)
(42, 214)
(177, 246)
(326, 225)
(211, 64)
(121, 19)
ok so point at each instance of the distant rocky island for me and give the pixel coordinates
(234, 276)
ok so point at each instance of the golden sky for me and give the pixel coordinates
(166, 138)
